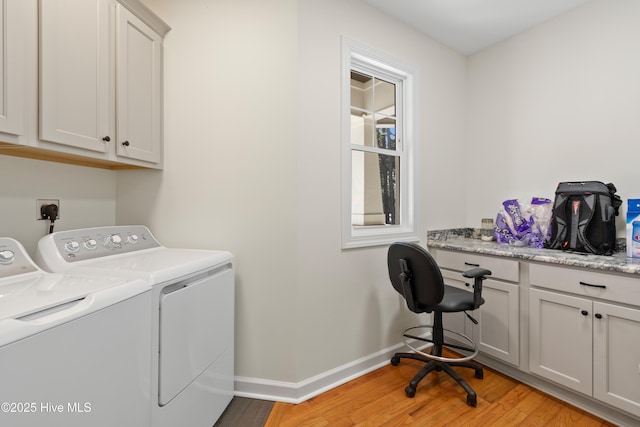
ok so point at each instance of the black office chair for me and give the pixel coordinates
(416, 276)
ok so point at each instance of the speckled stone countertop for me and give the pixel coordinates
(468, 240)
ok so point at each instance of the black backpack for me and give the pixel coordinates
(584, 217)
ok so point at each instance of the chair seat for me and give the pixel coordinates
(454, 300)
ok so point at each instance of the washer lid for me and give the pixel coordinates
(30, 293)
(26, 289)
(157, 265)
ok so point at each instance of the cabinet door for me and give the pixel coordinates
(560, 334)
(139, 90)
(75, 62)
(13, 48)
(617, 356)
(498, 329)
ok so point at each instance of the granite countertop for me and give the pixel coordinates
(468, 240)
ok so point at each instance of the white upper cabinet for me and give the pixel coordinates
(139, 73)
(76, 73)
(13, 51)
(81, 82)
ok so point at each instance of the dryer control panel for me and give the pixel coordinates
(90, 243)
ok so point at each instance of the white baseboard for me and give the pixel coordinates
(288, 392)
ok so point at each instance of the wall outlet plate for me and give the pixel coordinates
(44, 202)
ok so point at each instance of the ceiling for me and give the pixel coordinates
(469, 26)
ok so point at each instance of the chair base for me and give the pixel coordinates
(435, 360)
(437, 365)
(438, 343)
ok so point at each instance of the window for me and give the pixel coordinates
(378, 183)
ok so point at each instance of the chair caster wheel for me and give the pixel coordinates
(479, 374)
(410, 391)
(395, 360)
(471, 401)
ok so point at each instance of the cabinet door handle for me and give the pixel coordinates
(593, 286)
(126, 143)
(584, 312)
(598, 316)
(106, 138)
(471, 264)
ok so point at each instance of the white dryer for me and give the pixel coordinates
(192, 313)
(74, 348)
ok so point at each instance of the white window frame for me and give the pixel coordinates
(356, 56)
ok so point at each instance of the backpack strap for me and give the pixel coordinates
(582, 221)
(616, 201)
(559, 224)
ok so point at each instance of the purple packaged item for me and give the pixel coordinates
(502, 232)
(520, 224)
(540, 201)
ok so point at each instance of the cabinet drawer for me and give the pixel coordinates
(624, 289)
(505, 269)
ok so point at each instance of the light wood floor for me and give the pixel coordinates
(378, 399)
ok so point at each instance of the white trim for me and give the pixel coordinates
(280, 391)
(147, 15)
(407, 230)
(288, 392)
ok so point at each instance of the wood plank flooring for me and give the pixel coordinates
(244, 412)
(378, 399)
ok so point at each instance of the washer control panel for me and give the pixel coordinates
(14, 259)
(89, 243)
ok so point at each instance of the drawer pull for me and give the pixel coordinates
(593, 286)
(471, 264)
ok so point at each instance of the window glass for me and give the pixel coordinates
(375, 188)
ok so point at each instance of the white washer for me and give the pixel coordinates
(74, 349)
(192, 313)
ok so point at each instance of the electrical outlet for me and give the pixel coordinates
(44, 202)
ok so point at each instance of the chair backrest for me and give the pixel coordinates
(415, 275)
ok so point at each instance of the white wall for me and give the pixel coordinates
(252, 136)
(229, 180)
(347, 307)
(87, 197)
(560, 102)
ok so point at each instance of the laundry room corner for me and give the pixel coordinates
(87, 197)
(230, 162)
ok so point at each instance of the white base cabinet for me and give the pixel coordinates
(560, 339)
(583, 337)
(497, 331)
(571, 331)
(616, 356)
